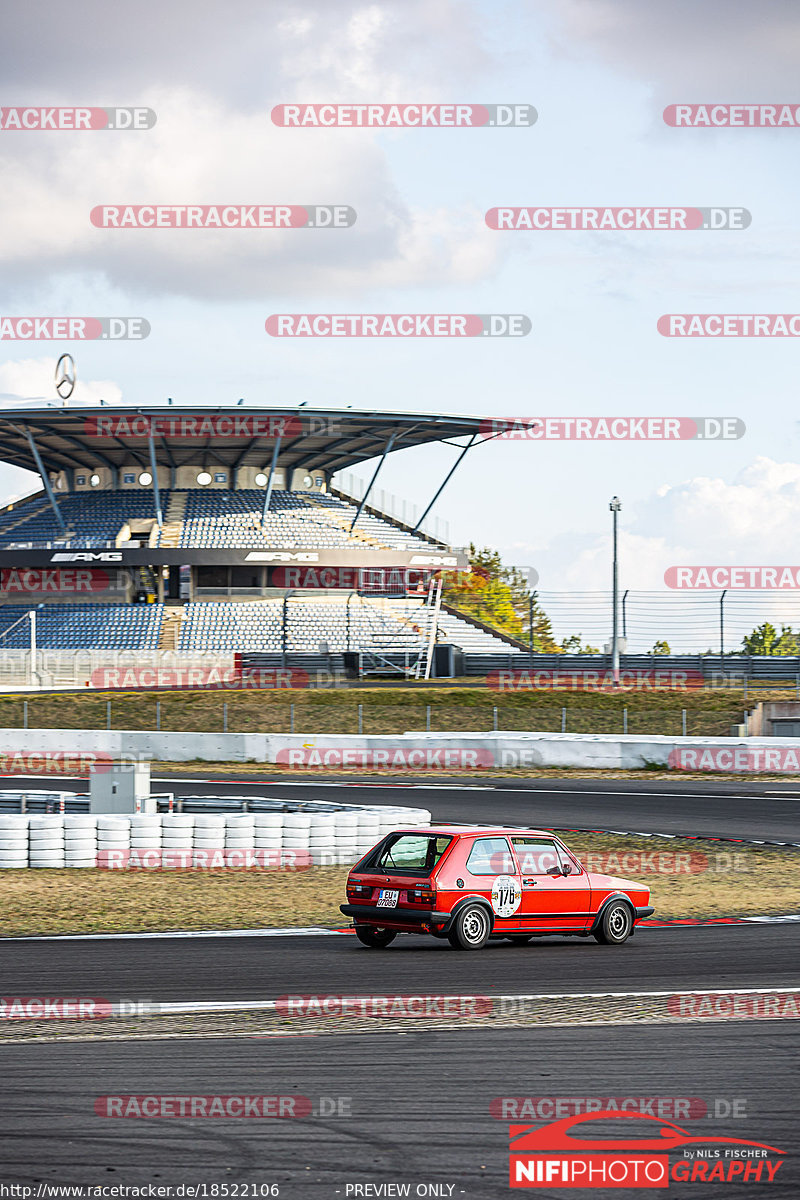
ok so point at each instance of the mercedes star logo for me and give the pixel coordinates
(65, 376)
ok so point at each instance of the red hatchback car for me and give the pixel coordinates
(472, 884)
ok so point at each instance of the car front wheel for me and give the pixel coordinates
(616, 924)
(376, 939)
(470, 928)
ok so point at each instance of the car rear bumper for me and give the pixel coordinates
(370, 914)
(646, 911)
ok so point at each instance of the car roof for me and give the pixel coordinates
(471, 830)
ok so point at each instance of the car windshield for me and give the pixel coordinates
(408, 854)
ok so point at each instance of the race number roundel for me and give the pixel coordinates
(506, 895)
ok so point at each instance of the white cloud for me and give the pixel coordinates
(31, 380)
(202, 152)
(717, 50)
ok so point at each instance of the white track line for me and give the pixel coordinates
(321, 931)
(178, 1007)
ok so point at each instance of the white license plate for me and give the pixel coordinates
(388, 898)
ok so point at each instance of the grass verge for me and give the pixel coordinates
(711, 880)
(386, 711)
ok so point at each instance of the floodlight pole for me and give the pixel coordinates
(34, 674)
(615, 506)
(530, 619)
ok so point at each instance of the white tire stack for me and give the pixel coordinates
(209, 831)
(177, 834)
(240, 831)
(209, 839)
(145, 831)
(46, 846)
(321, 839)
(296, 836)
(80, 840)
(369, 829)
(268, 830)
(13, 840)
(177, 831)
(113, 841)
(346, 842)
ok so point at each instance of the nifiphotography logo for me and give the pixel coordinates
(554, 1156)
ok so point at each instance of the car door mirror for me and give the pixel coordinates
(554, 870)
(566, 868)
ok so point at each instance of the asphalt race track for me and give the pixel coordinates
(408, 1106)
(247, 968)
(419, 1105)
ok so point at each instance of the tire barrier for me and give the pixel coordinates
(318, 835)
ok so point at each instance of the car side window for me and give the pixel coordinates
(537, 856)
(491, 856)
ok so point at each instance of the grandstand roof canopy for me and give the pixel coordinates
(329, 440)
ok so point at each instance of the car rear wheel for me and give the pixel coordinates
(520, 939)
(376, 939)
(470, 928)
(616, 924)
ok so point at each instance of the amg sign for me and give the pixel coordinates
(88, 556)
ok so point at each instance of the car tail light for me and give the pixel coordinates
(422, 894)
(358, 891)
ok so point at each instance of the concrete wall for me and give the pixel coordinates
(415, 752)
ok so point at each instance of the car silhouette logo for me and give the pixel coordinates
(557, 1136)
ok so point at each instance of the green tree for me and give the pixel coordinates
(499, 596)
(661, 648)
(765, 639)
(573, 645)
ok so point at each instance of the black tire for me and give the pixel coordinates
(615, 925)
(470, 929)
(376, 939)
(520, 939)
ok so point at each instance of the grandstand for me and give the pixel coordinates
(202, 515)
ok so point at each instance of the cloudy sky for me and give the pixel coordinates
(599, 72)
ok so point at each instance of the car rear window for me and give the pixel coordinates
(407, 854)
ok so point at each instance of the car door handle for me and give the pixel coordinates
(532, 882)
